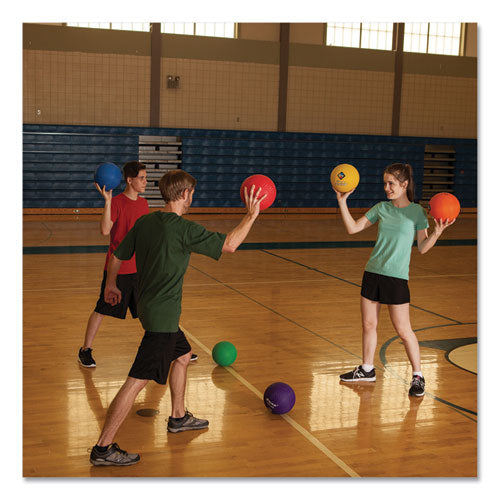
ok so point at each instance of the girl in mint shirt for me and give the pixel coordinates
(385, 280)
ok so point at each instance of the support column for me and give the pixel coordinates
(155, 85)
(398, 39)
(283, 81)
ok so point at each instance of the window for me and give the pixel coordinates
(178, 28)
(130, 26)
(222, 30)
(113, 26)
(427, 38)
(433, 38)
(360, 35)
(376, 36)
(343, 34)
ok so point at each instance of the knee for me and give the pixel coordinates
(404, 333)
(369, 325)
(135, 385)
(184, 359)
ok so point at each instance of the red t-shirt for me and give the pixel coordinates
(124, 213)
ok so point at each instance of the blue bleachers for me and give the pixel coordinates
(59, 163)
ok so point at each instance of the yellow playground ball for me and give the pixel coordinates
(344, 178)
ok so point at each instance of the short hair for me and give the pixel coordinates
(173, 184)
(132, 168)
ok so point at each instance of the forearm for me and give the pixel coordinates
(106, 222)
(114, 264)
(347, 218)
(428, 243)
(235, 237)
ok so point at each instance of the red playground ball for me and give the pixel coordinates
(267, 187)
(444, 206)
(279, 398)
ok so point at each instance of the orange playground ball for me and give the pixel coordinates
(267, 187)
(444, 206)
(344, 178)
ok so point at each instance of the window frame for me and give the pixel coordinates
(110, 27)
(457, 43)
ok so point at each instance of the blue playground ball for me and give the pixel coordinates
(279, 398)
(109, 175)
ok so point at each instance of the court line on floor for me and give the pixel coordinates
(188, 285)
(382, 351)
(197, 285)
(383, 358)
(351, 283)
(275, 312)
(451, 405)
(60, 289)
(314, 441)
(276, 245)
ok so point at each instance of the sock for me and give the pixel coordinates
(367, 368)
(177, 419)
(101, 449)
(418, 373)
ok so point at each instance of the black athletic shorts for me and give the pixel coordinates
(385, 289)
(127, 283)
(156, 353)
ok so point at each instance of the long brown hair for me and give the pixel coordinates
(403, 172)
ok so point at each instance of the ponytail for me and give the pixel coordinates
(403, 172)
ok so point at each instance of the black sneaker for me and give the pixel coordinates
(188, 423)
(85, 357)
(359, 375)
(417, 386)
(194, 357)
(113, 456)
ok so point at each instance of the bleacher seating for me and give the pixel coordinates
(59, 163)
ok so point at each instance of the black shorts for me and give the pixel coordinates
(127, 283)
(385, 289)
(156, 353)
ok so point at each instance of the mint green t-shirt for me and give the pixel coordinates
(396, 233)
(163, 242)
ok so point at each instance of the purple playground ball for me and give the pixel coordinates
(279, 398)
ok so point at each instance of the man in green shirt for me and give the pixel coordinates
(163, 242)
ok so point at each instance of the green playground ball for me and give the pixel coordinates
(224, 353)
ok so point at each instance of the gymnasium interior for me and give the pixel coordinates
(224, 101)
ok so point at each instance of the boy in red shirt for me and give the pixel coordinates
(119, 216)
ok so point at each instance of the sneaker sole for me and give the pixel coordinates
(87, 366)
(182, 429)
(99, 463)
(371, 379)
(417, 395)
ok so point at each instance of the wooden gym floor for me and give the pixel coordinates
(293, 315)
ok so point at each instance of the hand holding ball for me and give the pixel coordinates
(444, 206)
(109, 175)
(267, 187)
(344, 178)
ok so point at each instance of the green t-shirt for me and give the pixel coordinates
(163, 242)
(396, 232)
